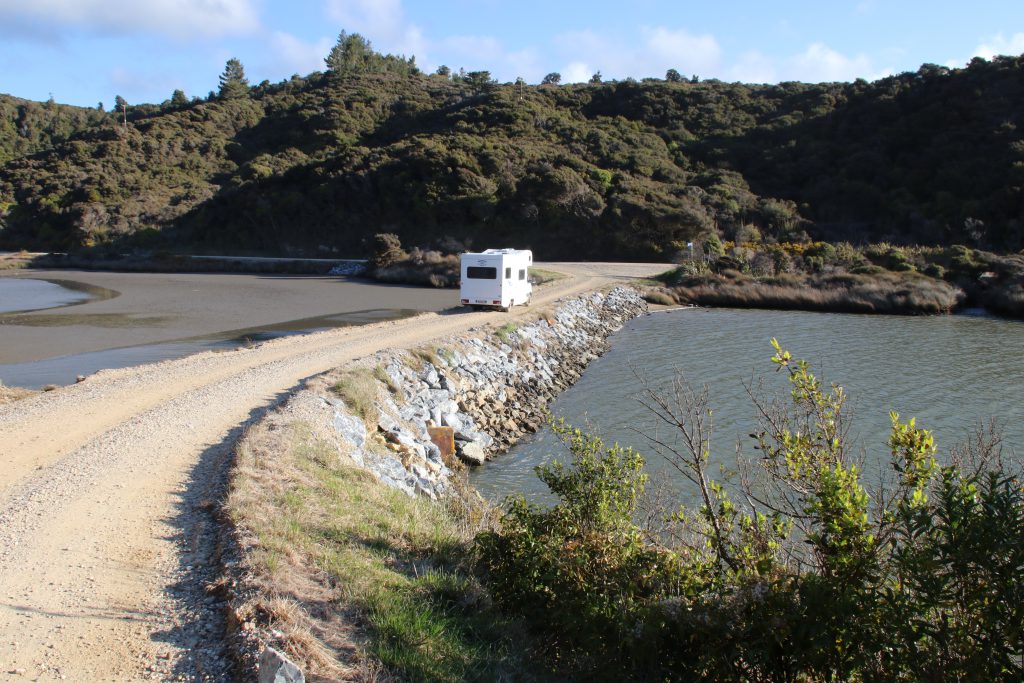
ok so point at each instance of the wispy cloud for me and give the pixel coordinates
(820, 63)
(1000, 44)
(176, 18)
(383, 22)
(679, 49)
(296, 55)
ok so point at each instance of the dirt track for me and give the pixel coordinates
(106, 489)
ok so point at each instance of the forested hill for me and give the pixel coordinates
(621, 169)
(27, 127)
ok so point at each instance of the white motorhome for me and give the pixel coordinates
(496, 278)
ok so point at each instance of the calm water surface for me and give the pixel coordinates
(65, 369)
(28, 294)
(947, 371)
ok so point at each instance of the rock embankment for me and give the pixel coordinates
(488, 387)
(480, 391)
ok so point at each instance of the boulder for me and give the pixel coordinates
(473, 453)
(351, 428)
(274, 667)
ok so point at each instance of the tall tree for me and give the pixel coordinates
(178, 98)
(553, 78)
(122, 104)
(596, 78)
(673, 76)
(480, 81)
(233, 83)
(354, 54)
(351, 54)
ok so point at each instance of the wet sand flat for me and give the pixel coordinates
(159, 307)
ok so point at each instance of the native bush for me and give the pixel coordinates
(794, 570)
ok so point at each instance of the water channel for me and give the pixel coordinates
(950, 372)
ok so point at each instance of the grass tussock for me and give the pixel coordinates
(362, 581)
(12, 394)
(426, 354)
(358, 389)
(541, 276)
(847, 293)
(382, 376)
(660, 298)
(504, 333)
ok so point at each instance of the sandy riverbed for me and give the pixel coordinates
(159, 307)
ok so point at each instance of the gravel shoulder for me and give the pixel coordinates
(108, 490)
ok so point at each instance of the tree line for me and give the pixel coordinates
(623, 169)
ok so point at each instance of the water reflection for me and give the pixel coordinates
(21, 295)
(949, 371)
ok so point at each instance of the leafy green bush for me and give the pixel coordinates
(578, 568)
(812, 578)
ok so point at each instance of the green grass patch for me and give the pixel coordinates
(399, 567)
(504, 333)
(358, 389)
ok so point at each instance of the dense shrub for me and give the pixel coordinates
(811, 578)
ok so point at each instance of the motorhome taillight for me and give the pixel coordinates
(465, 301)
(495, 302)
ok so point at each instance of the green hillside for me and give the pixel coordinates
(28, 127)
(622, 169)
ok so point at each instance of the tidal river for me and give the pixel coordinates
(950, 372)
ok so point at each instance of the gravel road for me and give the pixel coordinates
(108, 490)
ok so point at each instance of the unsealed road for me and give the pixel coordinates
(107, 488)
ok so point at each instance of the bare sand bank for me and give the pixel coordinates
(159, 307)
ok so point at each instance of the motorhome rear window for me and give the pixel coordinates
(481, 273)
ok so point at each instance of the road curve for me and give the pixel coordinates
(107, 487)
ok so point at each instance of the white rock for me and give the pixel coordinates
(274, 667)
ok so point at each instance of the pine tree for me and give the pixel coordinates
(351, 54)
(233, 83)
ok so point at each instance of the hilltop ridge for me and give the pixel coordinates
(627, 169)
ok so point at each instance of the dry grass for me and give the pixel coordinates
(540, 276)
(881, 293)
(660, 298)
(358, 389)
(361, 581)
(12, 394)
(424, 354)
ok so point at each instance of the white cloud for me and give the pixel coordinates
(820, 63)
(1001, 45)
(577, 72)
(753, 67)
(681, 50)
(178, 18)
(382, 22)
(297, 56)
(658, 50)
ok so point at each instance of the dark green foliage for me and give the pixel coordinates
(622, 170)
(28, 127)
(233, 83)
(353, 54)
(580, 565)
(812, 578)
(387, 250)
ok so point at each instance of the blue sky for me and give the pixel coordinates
(86, 51)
